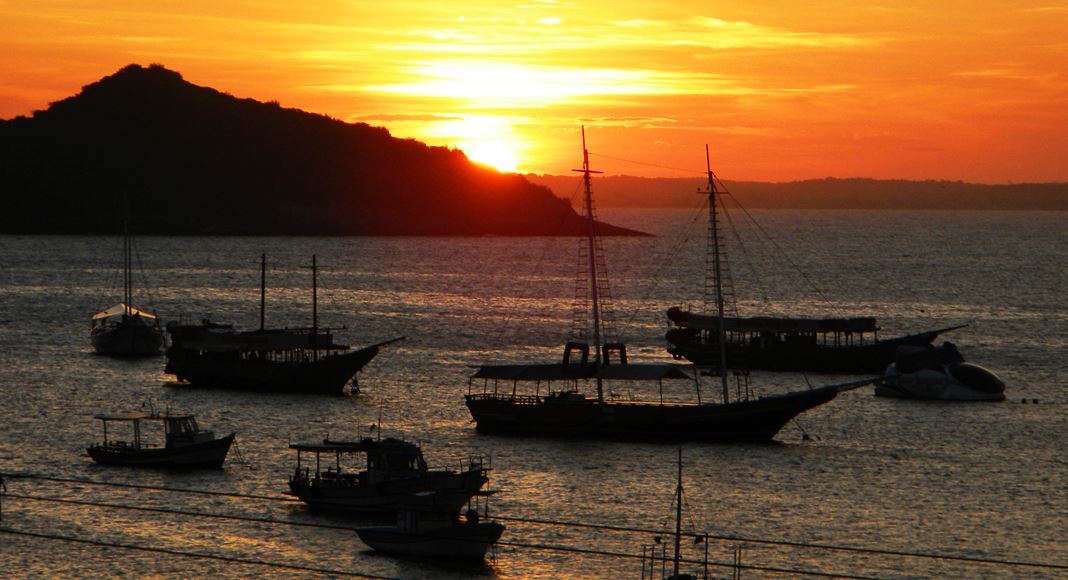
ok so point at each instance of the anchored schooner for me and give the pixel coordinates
(569, 412)
(292, 360)
(849, 345)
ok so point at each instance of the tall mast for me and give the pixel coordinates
(315, 298)
(315, 309)
(678, 518)
(591, 251)
(127, 282)
(263, 288)
(713, 233)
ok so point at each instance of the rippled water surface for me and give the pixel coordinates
(981, 480)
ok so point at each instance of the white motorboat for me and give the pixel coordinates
(938, 373)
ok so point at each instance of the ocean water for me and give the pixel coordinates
(986, 480)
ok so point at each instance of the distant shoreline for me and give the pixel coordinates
(622, 191)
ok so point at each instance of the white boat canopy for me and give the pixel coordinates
(120, 309)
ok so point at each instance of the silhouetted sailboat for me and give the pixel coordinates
(123, 330)
(571, 413)
(294, 360)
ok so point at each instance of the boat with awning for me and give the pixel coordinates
(569, 411)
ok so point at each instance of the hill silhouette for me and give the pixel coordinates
(193, 160)
(829, 193)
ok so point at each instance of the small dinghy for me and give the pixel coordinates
(938, 373)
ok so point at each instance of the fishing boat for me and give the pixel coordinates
(938, 373)
(570, 412)
(429, 533)
(123, 330)
(291, 360)
(185, 446)
(823, 345)
(393, 474)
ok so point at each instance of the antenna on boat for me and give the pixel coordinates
(713, 234)
(263, 287)
(592, 257)
(315, 309)
(678, 518)
(315, 298)
(127, 260)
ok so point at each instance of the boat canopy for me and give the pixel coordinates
(226, 339)
(366, 445)
(773, 324)
(120, 309)
(558, 372)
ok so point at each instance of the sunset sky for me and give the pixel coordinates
(780, 90)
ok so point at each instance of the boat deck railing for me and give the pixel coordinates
(540, 399)
(511, 398)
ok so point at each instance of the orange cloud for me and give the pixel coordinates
(784, 91)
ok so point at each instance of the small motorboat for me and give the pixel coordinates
(938, 373)
(429, 533)
(393, 474)
(185, 446)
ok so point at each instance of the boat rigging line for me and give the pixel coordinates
(511, 314)
(538, 521)
(779, 249)
(241, 458)
(647, 164)
(761, 287)
(722, 188)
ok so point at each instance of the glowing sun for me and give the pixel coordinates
(485, 139)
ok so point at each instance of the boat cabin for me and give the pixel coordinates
(574, 367)
(284, 345)
(178, 430)
(764, 331)
(385, 459)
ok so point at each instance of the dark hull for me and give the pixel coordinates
(328, 375)
(796, 356)
(128, 339)
(754, 420)
(451, 492)
(459, 542)
(206, 455)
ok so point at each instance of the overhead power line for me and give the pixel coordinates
(729, 538)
